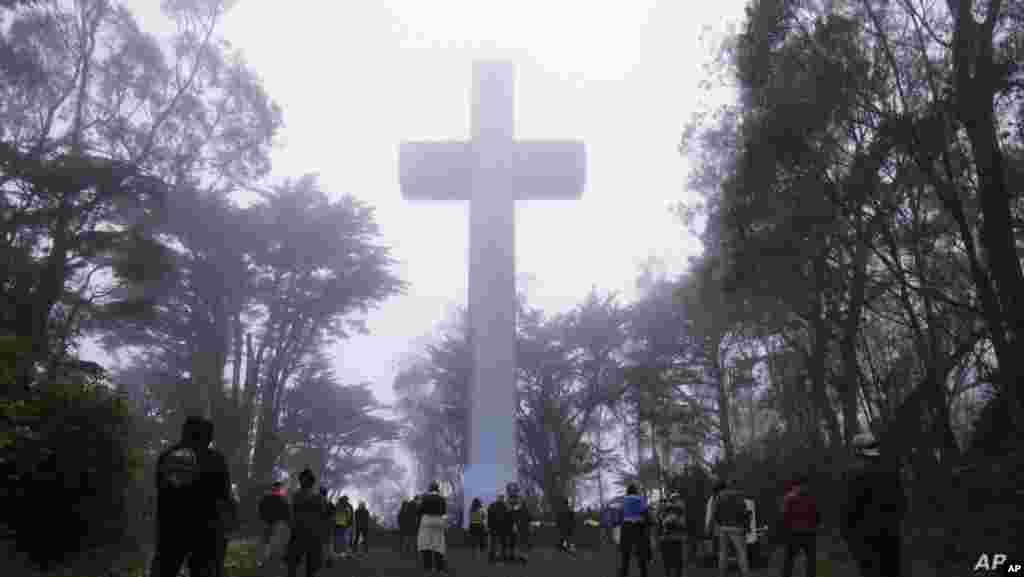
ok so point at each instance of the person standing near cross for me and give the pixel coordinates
(492, 171)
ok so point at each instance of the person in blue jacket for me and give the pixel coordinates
(635, 533)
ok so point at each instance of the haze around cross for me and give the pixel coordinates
(357, 78)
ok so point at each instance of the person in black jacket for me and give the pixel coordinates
(432, 512)
(193, 486)
(308, 509)
(498, 525)
(362, 516)
(873, 511)
(275, 514)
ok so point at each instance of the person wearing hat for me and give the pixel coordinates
(672, 534)
(431, 542)
(307, 515)
(872, 514)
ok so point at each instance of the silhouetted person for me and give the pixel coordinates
(343, 521)
(327, 536)
(275, 514)
(193, 484)
(873, 511)
(478, 528)
(431, 539)
(306, 542)
(800, 519)
(566, 525)
(635, 536)
(730, 518)
(497, 522)
(518, 515)
(362, 516)
(407, 527)
(672, 534)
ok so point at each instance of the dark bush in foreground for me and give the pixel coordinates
(66, 460)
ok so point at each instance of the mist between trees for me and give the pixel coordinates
(861, 270)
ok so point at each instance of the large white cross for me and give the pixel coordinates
(491, 171)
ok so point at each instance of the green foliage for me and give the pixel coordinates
(67, 460)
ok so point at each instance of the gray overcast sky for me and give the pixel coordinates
(356, 78)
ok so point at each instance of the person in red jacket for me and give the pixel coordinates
(800, 520)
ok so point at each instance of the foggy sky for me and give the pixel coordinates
(355, 79)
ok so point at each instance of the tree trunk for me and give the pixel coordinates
(975, 105)
(718, 377)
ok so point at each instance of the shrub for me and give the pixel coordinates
(66, 456)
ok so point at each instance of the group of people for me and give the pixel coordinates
(196, 510)
(502, 529)
(309, 528)
(869, 518)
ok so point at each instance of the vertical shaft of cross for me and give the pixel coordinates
(492, 297)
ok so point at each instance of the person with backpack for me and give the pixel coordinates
(497, 523)
(871, 515)
(728, 520)
(635, 532)
(430, 542)
(344, 518)
(672, 527)
(275, 514)
(362, 517)
(800, 519)
(193, 484)
(477, 528)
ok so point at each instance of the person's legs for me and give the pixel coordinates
(723, 552)
(789, 555)
(170, 555)
(889, 555)
(313, 558)
(810, 547)
(627, 542)
(739, 541)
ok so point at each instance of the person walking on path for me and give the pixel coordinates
(431, 539)
(635, 535)
(872, 514)
(193, 484)
(478, 528)
(672, 534)
(343, 520)
(362, 516)
(306, 541)
(275, 514)
(729, 519)
(800, 519)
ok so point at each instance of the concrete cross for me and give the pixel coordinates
(491, 171)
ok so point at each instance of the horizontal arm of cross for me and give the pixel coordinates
(542, 169)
